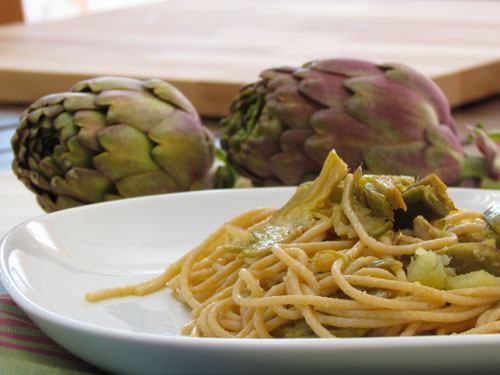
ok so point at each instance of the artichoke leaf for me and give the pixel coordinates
(79, 100)
(170, 94)
(63, 202)
(99, 84)
(112, 197)
(396, 159)
(489, 146)
(425, 87)
(34, 164)
(45, 201)
(253, 136)
(292, 167)
(325, 89)
(47, 112)
(288, 107)
(345, 67)
(152, 182)
(375, 96)
(138, 109)
(335, 129)
(49, 168)
(178, 150)
(82, 184)
(90, 124)
(38, 182)
(76, 155)
(128, 152)
(65, 126)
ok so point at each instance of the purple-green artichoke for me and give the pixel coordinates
(389, 118)
(111, 138)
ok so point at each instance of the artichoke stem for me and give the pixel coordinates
(473, 167)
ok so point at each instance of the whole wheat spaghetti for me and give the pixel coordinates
(347, 256)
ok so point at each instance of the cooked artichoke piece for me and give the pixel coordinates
(391, 187)
(404, 239)
(428, 268)
(374, 225)
(298, 330)
(422, 200)
(297, 215)
(492, 217)
(367, 193)
(373, 208)
(473, 279)
(468, 257)
(341, 225)
(349, 332)
(491, 237)
(400, 182)
(381, 293)
(387, 263)
(236, 236)
(380, 193)
(377, 201)
(428, 198)
(337, 194)
(323, 260)
(425, 230)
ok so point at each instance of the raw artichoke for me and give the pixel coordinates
(387, 117)
(111, 138)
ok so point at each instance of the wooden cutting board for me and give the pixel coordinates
(209, 48)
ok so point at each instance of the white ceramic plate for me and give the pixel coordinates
(49, 263)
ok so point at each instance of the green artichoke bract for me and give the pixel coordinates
(389, 118)
(111, 138)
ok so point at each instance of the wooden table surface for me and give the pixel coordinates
(208, 48)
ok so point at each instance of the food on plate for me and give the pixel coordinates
(111, 138)
(349, 255)
(388, 117)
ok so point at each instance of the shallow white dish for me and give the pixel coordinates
(47, 265)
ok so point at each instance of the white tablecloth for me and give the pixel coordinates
(17, 203)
